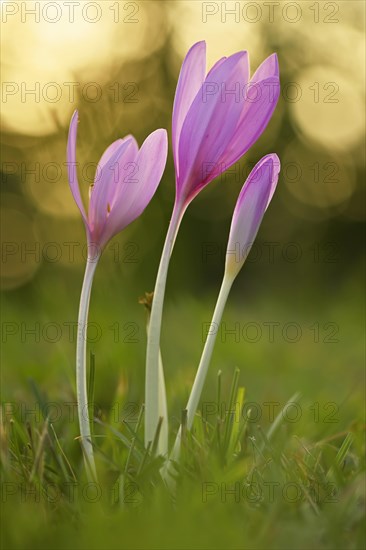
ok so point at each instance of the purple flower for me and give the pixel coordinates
(125, 181)
(217, 117)
(251, 205)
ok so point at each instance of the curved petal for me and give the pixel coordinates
(210, 123)
(250, 207)
(267, 69)
(262, 97)
(275, 174)
(215, 66)
(125, 168)
(135, 194)
(107, 155)
(112, 156)
(191, 77)
(71, 165)
(105, 188)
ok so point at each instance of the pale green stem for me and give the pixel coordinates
(152, 378)
(81, 385)
(163, 443)
(200, 378)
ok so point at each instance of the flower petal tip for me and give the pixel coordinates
(276, 64)
(275, 161)
(272, 161)
(273, 65)
(162, 135)
(201, 45)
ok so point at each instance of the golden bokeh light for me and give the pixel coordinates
(191, 25)
(320, 39)
(72, 52)
(117, 63)
(34, 102)
(330, 110)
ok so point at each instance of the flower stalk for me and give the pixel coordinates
(81, 377)
(163, 442)
(154, 380)
(204, 364)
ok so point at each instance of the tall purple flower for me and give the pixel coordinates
(125, 181)
(217, 117)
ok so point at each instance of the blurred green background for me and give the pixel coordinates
(118, 63)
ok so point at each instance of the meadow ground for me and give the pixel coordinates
(254, 472)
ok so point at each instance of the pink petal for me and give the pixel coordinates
(113, 155)
(214, 67)
(210, 123)
(107, 155)
(257, 112)
(275, 174)
(267, 69)
(126, 168)
(135, 194)
(71, 165)
(251, 205)
(107, 183)
(190, 80)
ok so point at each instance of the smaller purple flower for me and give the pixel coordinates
(250, 207)
(125, 181)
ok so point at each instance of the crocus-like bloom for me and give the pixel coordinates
(218, 116)
(251, 205)
(125, 181)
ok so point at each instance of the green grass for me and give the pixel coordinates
(245, 480)
(238, 484)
